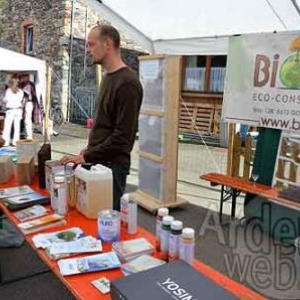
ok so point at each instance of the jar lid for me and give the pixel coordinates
(176, 225)
(70, 165)
(163, 211)
(59, 179)
(167, 220)
(125, 197)
(108, 213)
(87, 166)
(188, 233)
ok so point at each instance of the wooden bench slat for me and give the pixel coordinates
(250, 187)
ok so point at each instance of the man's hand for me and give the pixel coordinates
(82, 151)
(2, 142)
(77, 160)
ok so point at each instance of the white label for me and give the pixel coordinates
(132, 217)
(81, 194)
(47, 178)
(174, 244)
(187, 253)
(49, 171)
(60, 199)
(124, 211)
(158, 228)
(109, 229)
(164, 241)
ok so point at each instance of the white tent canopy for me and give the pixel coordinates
(197, 26)
(16, 62)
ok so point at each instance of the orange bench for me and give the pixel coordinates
(239, 185)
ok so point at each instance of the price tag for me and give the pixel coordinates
(102, 284)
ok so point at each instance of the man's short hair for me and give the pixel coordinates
(108, 31)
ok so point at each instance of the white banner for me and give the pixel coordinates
(263, 81)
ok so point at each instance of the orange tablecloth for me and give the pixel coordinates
(80, 285)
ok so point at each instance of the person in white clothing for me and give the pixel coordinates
(31, 112)
(13, 100)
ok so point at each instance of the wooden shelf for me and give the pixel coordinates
(202, 95)
(152, 204)
(288, 159)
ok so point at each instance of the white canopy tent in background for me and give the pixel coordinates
(193, 27)
(16, 62)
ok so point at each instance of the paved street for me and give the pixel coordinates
(193, 161)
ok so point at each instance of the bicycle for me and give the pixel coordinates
(57, 117)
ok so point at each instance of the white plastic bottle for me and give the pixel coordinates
(124, 211)
(94, 189)
(164, 236)
(162, 212)
(174, 240)
(187, 245)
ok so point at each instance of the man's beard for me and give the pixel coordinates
(98, 62)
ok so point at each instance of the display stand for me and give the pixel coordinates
(158, 132)
(287, 167)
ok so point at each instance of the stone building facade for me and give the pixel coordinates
(55, 31)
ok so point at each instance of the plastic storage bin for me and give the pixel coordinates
(150, 177)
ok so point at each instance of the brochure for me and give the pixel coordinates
(25, 200)
(41, 223)
(142, 263)
(31, 213)
(45, 240)
(82, 245)
(102, 284)
(57, 256)
(28, 197)
(99, 262)
(132, 248)
(15, 191)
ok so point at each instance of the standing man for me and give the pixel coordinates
(113, 133)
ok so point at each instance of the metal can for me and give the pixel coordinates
(109, 225)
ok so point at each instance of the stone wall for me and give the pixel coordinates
(83, 80)
(47, 18)
(57, 37)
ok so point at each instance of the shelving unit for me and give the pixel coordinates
(158, 132)
(287, 168)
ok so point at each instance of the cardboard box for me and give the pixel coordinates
(175, 281)
(25, 169)
(6, 168)
(28, 147)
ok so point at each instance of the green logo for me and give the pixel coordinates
(290, 69)
(290, 72)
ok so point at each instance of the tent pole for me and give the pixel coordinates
(85, 37)
(47, 106)
(230, 148)
(295, 4)
(70, 62)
